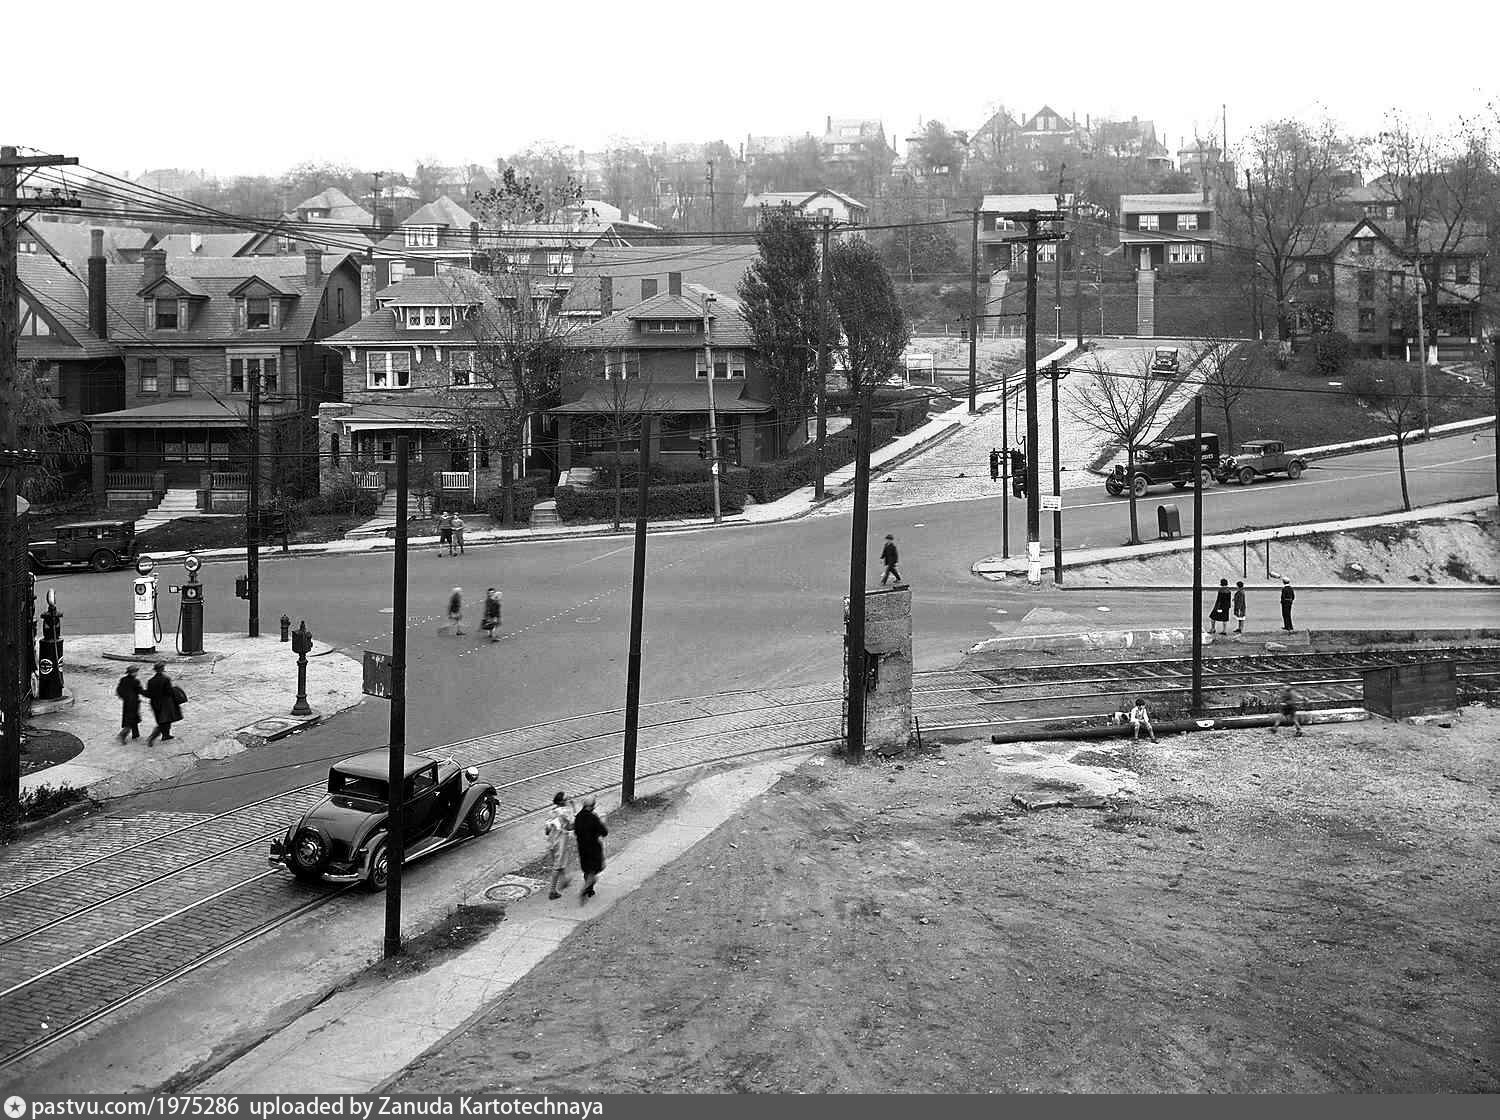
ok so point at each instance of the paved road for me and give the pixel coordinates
(733, 608)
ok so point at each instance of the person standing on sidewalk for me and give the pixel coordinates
(457, 539)
(1239, 606)
(445, 531)
(560, 846)
(490, 624)
(1220, 613)
(455, 612)
(1288, 596)
(129, 691)
(589, 832)
(889, 557)
(166, 702)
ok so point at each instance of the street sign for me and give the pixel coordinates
(1051, 501)
(378, 675)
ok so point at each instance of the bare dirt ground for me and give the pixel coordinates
(1250, 913)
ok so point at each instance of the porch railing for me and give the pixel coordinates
(229, 480)
(136, 480)
(370, 480)
(453, 480)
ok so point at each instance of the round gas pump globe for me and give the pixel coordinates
(145, 565)
(192, 563)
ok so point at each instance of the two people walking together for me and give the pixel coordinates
(166, 700)
(489, 622)
(575, 840)
(451, 534)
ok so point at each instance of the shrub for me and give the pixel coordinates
(44, 800)
(339, 496)
(666, 472)
(691, 499)
(769, 481)
(1331, 352)
(523, 495)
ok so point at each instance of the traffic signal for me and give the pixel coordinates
(1018, 473)
(994, 466)
(703, 449)
(242, 587)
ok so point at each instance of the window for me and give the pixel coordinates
(429, 316)
(445, 317)
(1461, 272)
(180, 381)
(421, 237)
(236, 375)
(148, 375)
(1187, 221)
(559, 264)
(849, 130)
(197, 448)
(622, 364)
(727, 364)
(1148, 221)
(1366, 246)
(257, 313)
(398, 272)
(388, 370)
(166, 314)
(244, 367)
(172, 449)
(1366, 318)
(269, 383)
(218, 450)
(1186, 252)
(339, 298)
(669, 326)
(1395, 284)
(461, 369)
(1366, 287)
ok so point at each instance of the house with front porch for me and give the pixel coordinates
(649, 359)
(841, 210)
(197, 337)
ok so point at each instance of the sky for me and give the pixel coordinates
(257, 88)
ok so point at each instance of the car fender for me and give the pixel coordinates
(470, 798)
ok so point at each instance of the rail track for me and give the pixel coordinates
(92, 921)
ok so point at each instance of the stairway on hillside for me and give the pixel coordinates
(174, 504)
(377, 526)
(1145, 302)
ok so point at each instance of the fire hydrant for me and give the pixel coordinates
(286, 626)
(302, 645)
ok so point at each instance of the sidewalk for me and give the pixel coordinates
(240, 694)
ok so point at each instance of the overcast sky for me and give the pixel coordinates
(254, 88)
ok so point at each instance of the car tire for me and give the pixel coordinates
(103, 561)
(380, 867)
(1113, 489)
(1139, 486)
(308, 854)
(1246, 476)
(1294, 471)
(482, 817)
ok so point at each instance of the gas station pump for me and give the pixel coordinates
(147, 628)
(49, 670)
(190, 609)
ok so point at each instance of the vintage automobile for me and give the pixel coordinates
(1169, 460)
(1164, 361)
(342, 838)
(100, 545)
(1258, 458)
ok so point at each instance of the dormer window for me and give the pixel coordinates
(166, 317)
(257, 313)
(669, 326)
(421, 237)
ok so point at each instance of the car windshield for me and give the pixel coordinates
(356, 785)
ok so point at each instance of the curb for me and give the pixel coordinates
(1180, 638)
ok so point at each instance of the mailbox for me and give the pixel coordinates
(1168, 522)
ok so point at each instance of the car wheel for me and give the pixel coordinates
(103, 561)
(1113, 488)
(1294, 470)
(482, 816)
(1139, 487)
(308, 854)
(1247, 476)
(380, 868)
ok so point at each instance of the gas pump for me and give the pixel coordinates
(147, 627)
(49, 669)
(190, 609)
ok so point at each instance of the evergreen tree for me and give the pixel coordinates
(875, 330)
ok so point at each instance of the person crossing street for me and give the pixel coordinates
(889, 557)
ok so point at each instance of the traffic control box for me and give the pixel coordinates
(1168, 522)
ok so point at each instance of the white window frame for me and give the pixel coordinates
(445, 318)
(622, 364)
(421, 237)
(461, 362)
(398, 271)
(1185, 252)
(1148, 221)
(383, 371)
(734, 365)
(1187, 221)
(559, 264)
(252, 364)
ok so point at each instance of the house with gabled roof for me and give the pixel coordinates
(839, 208)
(1045, 135)
(999, 247)
(994, 142)
(346, 225)
(441, 234)
(608, 269)
(240, 243)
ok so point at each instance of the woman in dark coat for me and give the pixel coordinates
(164, 703)
(129, 691)
(1220, 613)
(589, 832)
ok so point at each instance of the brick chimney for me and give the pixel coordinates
(366, 289)
(674, 283)
(98, 316)
(314, 259)
(153, 266)
(606, 296)
(648, 289)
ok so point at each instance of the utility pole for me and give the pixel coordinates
(252, 510)
(974, 313)
(1197, 696)
(1077, 278)
(1255, 315)
(1495, 388)
(637, 610)
(855, 631)
(713, 430)
(375, 202)
(14, 680)
(1057, 266)
(819, 485)
(396, 773)
(1004, 462)
(711, 214)
(1056, 373)
(1422, 347)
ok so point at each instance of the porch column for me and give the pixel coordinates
(98, 463)
(564, 442)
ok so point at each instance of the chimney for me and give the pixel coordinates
(474, 234)
(366, 289)
(828, 126)
(154, 266)
(674, 283)
(98, 318)
(314, 259)
(606, 296)
(648, 289)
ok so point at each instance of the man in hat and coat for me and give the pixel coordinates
(129, 691)
(166, 702)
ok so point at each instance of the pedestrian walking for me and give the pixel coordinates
(560, 844)
(490, 624)
(445, 531)
(889, 557)
(1220, 613)
(994, 464)
(166, 702)
(1239, 606)
(1290, 702)
(589, 832)
(1140, 718)
(455, 621)
(1288, 596)
(129, 691)
(457, 539)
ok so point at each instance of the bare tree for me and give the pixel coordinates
(1392, 393)
(62, 445)
(622, 408)
(1123, 406)
(1228, 369)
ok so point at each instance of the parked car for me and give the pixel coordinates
(101, 545)
(342, 838)
(1259, 458)
(1164, 361)
(1166, 461)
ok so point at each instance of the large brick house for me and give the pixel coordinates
(194, 335)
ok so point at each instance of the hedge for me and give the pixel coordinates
(769, 481)
(691, 499)
(667, 472)
(523, 496)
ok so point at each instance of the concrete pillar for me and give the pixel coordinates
(888, 720)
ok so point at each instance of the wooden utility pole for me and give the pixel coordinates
(637, 612)
(1422, 348)
(974, 313)
(855, 631)
(14, 680)
(819, 485)
(1196, 701)
(252, 509)
(396, 773)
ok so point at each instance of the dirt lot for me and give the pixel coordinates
(1251, 913)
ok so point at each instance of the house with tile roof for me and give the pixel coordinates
(196, 334)
(845, 212)
(650, 358)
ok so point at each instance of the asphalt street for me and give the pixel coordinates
(736, 607)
